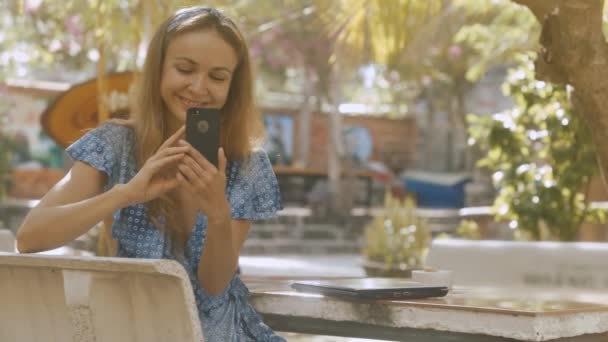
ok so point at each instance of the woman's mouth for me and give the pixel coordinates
(191, 103)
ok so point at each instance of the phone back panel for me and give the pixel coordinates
(203, 131)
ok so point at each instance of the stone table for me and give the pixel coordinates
(465, 314)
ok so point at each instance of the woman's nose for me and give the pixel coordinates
(198, 85)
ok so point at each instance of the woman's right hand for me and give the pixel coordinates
(156, 176)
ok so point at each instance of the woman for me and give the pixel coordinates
(166, 199)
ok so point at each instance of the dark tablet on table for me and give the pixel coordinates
(371, 288)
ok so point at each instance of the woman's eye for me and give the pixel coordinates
(218, 78)
(184, 70)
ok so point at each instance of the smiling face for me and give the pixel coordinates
(197, 72)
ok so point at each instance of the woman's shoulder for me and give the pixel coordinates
(113, 132)
(258, 153)
(110, 139)
(255, 161)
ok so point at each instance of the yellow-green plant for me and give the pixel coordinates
(468, 229)
(397, 237)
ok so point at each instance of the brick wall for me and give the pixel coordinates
(393, 140)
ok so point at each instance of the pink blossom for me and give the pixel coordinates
(73, 26)
(454, 51)
(393, 76)
(426, 80)
(32, 6)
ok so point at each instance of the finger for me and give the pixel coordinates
(169, 185)
(163, 162)
(168, 152)
(221, 157)
(194, 166)
(201, 160)
(173, 150)
(174, 138)
(181, 178)
(189, 174)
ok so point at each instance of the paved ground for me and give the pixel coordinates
(314, 338)
(299, 266)
(340, 265)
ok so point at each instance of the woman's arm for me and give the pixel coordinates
(207, 185)
(69, 209)
(225, 236)
(220, 256)
(78, 202)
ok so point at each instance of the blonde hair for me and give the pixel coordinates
(241, 128)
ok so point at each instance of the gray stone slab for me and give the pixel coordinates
(7, 241)
(50, 298)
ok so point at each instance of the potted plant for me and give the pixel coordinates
(397, 240)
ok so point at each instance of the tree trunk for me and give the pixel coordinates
(574, 51)
(430, 127)
(335, 154)
(304, 119)
(335, 150)
(462, 151)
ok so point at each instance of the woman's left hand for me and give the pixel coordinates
(206, 183)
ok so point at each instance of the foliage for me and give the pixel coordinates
(468, 229)
(398, 238)
(541, 156)
(47, 37)
(496, 31)
(379, 31)
(467, 38)
(376, 38)
(329, 42)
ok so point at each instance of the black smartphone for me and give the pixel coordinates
(203, 131)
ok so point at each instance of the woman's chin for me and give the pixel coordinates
(178, 118)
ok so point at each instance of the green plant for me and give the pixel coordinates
(468, 229)
(397, 237)
(541, 156)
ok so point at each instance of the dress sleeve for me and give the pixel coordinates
(253, 190)
(98, 149)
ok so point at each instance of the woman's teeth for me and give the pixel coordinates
(191, 103)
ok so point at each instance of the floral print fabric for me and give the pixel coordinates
(253, 193)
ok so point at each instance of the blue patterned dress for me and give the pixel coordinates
(253, 193)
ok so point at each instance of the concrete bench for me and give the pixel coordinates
(7, 241)
(49, 298)
(565, 265)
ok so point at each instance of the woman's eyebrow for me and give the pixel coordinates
(187, 60)
(222, 69)
(219, 68)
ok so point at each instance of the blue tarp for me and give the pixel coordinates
(436, 190)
